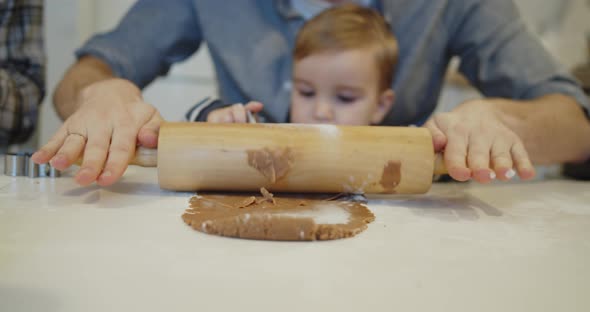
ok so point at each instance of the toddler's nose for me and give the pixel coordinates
(323, 111)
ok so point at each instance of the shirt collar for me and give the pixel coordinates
(287, 11)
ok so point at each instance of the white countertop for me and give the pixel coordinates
(501, 247)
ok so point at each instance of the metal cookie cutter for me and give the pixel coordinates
(15, 165)
(21, 165)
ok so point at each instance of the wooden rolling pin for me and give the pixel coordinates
(293, 158)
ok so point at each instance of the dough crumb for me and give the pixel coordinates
(268, 196)
(247, 202)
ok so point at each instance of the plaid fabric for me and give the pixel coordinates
(22, 68)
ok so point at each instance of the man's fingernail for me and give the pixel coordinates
(492, 175)
(86, 171)
(105, 174)
(55, 159)
(510, 174)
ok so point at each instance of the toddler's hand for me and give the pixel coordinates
(235, 113)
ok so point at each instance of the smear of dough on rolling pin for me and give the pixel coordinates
(391, 176)
(273, 164)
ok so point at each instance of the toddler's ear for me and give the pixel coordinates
(386, 99)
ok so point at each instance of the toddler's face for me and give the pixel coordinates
(338, 88)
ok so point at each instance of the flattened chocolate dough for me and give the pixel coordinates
(287, 219)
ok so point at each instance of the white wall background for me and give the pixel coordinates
(562, 25)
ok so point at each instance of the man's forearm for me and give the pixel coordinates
(86, 71)
(553, 128)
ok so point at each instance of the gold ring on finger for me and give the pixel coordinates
(78, 134)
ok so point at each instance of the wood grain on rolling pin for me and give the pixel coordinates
(294, 158)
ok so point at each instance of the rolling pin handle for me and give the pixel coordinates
(145, 157)
(439, 164)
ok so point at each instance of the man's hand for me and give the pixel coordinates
(234, 114)
(110, 121)
(477, 144)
